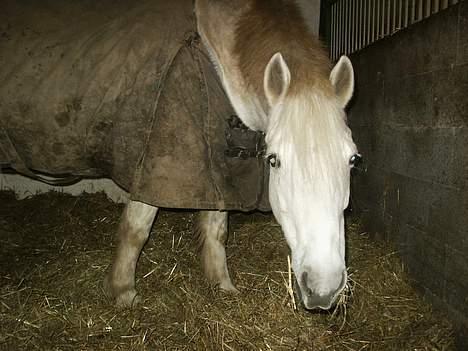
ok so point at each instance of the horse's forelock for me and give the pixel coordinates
(310, 130)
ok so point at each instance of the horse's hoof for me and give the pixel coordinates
(122, 298)
(228, 287)
(127, 299)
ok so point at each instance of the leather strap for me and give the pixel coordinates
(16, 162)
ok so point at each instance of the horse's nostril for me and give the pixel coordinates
(305, 284)
(304, 278)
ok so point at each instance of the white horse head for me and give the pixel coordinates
(311, 152)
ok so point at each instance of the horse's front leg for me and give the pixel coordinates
(134, 227)
(212, 234)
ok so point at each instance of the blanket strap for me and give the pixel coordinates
(17, 163)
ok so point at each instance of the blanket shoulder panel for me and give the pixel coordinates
(79, 78)
(121, 89)
(186, 164)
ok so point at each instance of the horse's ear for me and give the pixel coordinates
(342, 79)
(276, 79)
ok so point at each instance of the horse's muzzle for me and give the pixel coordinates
(314, 298)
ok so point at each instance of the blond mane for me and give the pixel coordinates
(271, 26)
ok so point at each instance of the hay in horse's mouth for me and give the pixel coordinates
(55, 249)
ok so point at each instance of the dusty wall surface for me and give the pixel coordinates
(311, 12)
(24, 187)
(410, 121)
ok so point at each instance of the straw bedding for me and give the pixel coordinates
(55, 249)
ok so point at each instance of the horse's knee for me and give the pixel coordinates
(136, 221)
(212, 226)
(135, 225)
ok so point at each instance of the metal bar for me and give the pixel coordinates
(356, 25)
(419, 12)
(400, 20)
(346, 37)
(382, 18)
(351, 20)
(405, 16)
(343, 23)
(373, 21)
(340, 28)
(378, 18)
(360, 26)
(352, 17)
(427, 8)
(363, 23)
(369, 22)
(332, 31)
(388, 29)
(337, 30)
(366, 23)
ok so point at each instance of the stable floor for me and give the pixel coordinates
(55, 249)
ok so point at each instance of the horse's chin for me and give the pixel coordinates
(318, 303)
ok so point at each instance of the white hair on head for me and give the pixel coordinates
(310, 130)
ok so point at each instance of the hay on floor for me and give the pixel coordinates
(55, 249)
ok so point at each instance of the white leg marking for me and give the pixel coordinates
(133, 231)
(212, 231)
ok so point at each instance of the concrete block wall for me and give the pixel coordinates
(410, 121)
(25, 187)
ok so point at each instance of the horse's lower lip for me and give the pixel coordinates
(317, 308)
(312, 304)
(308, 301)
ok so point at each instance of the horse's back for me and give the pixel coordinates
(217, 21)
(127, 94)
(76, 74)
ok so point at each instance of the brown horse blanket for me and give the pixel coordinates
(123, 89)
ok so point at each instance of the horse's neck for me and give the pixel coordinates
(247, 104)
(216, 25)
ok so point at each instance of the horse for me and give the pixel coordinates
(276, 75)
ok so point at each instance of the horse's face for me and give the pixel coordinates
(311, 152)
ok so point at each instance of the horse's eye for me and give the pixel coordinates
(355, 160)
(274, 161)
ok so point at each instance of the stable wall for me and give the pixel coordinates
(24, 187)
(311, 12)
(410, 121)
